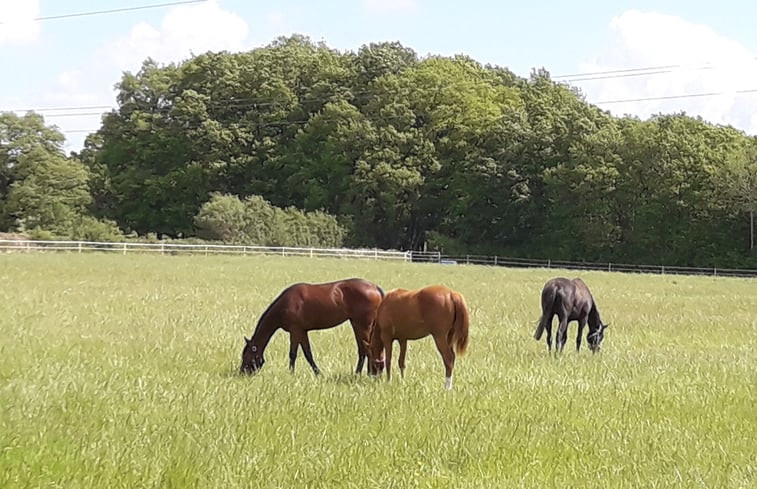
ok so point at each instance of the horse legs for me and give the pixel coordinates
(581, 324)
(360, 336)
(293, 344)
(403, 353)
(562, 334)
(305, 343)
(388, 359)
(448, 356)
(549, 335)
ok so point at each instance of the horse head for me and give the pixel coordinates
(375, 351)
(252, 358)
(596, 336)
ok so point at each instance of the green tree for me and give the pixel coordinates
(20, 136)
(52, 195)
(738, 182)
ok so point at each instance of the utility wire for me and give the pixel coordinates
(111, 11)
(242, 103)
(641, 71)
(674, 97)
(395, 117)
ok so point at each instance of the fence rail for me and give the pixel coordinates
(203, 249)
(9, 245)
(435, 257)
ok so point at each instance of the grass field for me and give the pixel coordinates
(120, 371)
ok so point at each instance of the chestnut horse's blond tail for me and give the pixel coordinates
(458, 337)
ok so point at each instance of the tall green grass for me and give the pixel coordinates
(120, 371)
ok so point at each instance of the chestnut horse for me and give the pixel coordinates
(304, 307)
(570, 300)
(413, 314)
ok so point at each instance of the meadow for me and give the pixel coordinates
(121, 372)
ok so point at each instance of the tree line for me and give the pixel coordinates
(298, 143)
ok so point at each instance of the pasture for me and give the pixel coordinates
(120, 371)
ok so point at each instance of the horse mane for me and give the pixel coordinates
(270, 308)
(594, 319)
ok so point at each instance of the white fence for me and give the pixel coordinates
(202, 249)
(7, 245)
(435, 257)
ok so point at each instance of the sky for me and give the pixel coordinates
(705, 47)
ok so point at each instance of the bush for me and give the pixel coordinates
(255, 221)
(91, 229)
(222, 218)
(41, 235)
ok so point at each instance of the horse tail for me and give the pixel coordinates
(458, 336)
(548, 299)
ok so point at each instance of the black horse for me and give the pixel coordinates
(570, 300)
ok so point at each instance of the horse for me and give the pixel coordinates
(303, 307)
(413, 314)
(570, 300)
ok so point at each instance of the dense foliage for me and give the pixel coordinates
(405, 152)
(227, 218)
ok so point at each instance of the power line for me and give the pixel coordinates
(56, 109)
(618, 71)
(75, 114)
(395, 117)
(112, 11)
(674, 97)
(636, 72)
(254, 103)
(242, 103)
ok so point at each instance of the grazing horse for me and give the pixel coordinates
(570, 300)
(413, 314)
(304, 307)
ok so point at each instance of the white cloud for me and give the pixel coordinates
(705, 62)
(390, 6)
(183, 31)
(17, 24)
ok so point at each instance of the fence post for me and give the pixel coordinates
(495, 260)
(662, 270)
(715, 271)
(162, 248)
(311, 252)
(124, 248)
(467, 259)
(79, 246)
(206, 251)
(609, 267)
(244, 250)
(549, 263)
(375, 253)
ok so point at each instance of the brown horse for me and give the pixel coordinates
(413, 314)
(304, 307)
(570, 300)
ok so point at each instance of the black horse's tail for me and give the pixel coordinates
(548, 299)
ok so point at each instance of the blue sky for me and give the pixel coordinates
(76, 61)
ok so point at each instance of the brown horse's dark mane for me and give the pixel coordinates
(268, 311)
(594, 320)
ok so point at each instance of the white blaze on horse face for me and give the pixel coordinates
(448, 383)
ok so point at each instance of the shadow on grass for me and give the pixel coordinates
(341, 378)
(350, 378)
